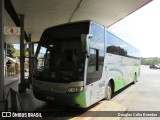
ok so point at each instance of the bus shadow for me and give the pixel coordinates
(122, 89)
(63, 112)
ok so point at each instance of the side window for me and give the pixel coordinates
(96, 58)
(122, 48)
(94, 70)
(98, 33)
(41, 56)
(112, 44)
(97, 40)
(47, 59)
(92, 61)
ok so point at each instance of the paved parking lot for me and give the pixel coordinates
(144, 95)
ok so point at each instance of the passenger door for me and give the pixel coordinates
(93, 75)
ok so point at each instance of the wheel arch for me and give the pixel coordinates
(135, 77)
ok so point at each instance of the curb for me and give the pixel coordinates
(103, 107)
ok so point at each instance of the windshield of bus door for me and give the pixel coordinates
(60, 61)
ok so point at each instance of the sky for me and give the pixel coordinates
(142, 29)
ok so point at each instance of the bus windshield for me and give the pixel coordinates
(60, 61)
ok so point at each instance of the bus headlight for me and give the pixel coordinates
(75, 89)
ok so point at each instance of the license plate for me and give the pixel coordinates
(50, 98)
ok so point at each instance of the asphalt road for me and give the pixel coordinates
(142, 96)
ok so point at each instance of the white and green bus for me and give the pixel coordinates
(81, 63)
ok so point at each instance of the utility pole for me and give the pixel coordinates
(22, 85)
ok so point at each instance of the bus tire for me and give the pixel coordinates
(135, 78)
(109, 91)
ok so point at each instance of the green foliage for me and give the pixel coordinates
(150, 61)
(10, 50)
(17, 53)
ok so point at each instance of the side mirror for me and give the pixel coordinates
(85, 40)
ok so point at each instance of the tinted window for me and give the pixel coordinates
(98, 33)
(97, 40)
(112, 44)
(92, 61)
(60, 61)
(123, 48)
(65, 31)
(117, 46)
(94, 71)
(96, 59)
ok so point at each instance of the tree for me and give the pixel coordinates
(10, 50)
(150, 61)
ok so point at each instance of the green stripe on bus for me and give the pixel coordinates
(115, 69)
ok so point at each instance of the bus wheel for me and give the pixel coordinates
(109, 91)
(135, 78)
